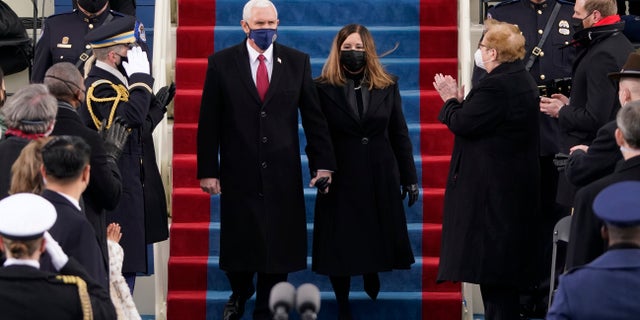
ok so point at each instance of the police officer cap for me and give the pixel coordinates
(619, 204)
(92, 6)
(118, 31)
(25, 216)
(631, 68)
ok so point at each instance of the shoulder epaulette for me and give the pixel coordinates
(122, 94)
(505, 2)
(85, 301)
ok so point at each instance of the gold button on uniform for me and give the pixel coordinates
(542, 53)
(90, 25)
(542, 77)
(540, 31)
(539, 11)
(87, 47)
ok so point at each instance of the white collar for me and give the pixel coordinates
(22, 262)
(253, 54)
(104, 66)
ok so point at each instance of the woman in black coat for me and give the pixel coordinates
(491, 197)
(360, 226)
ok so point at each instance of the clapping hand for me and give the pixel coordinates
(447, 87)
(114, 137)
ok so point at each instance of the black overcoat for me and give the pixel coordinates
(263, 223)
(594, 97)
(130, 212)
(77, 238)
(586, 243)
(28, 293)
(360, 225)
(10, 148)
(491, 197)
(104, 189)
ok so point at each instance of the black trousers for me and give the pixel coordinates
(242, 286)
(501, 302)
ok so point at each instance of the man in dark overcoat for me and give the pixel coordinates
(103, 192)
(585, 244)
(601, 49)
(123, 89)
(263, 223)
(65, 170)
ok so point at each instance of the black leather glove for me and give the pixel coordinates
(166, 94)
(115, 137)
(322, 184)
(413, 192)
(560, 160)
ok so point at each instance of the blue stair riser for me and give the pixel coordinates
(388, 306)
(413, 214)
(414, 229)
(392, 281)
(316, 41)
(329, 12)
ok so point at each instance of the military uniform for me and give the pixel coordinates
(29, 293)
(62, 39)
(108, 96)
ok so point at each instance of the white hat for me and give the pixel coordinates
(25, 216)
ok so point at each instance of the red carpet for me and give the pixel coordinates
(189, 256)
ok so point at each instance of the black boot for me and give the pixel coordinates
(371, 285)
(341, 285)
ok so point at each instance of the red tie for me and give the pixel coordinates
(262, 78)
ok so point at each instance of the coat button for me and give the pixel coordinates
(265, 139)
(263, 114)
(365, 140)
(542, 77)
(90, 25)
(263, 164)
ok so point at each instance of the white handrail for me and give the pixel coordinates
(163, 61)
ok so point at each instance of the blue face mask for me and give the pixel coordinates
(263, 38)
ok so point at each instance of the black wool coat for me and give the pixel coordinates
(77, 238)
(10, 148)
(360, 225)
(491, 197)
(263, 223)
(104, 189)
(586, 244)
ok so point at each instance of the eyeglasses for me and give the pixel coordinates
(480, 45)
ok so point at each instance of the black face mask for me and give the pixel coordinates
(577, 25)
(92, 6)
(352, 60)
(120, 67)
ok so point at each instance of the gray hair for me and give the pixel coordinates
(31, 109)
(63, 80)
(628, 120)
(246, 12)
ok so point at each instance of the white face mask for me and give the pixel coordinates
(477, 57)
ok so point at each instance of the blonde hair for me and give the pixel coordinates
(605, 7)
(506, 39)
(374, 73)
(25, 171)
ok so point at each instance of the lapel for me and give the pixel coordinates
(244, 71)
(376, 97)
(276, 73)
(338, 96)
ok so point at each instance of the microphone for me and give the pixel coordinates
(281, 300)
(308, 301)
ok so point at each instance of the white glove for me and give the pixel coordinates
(137, 62)
(58, 257)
